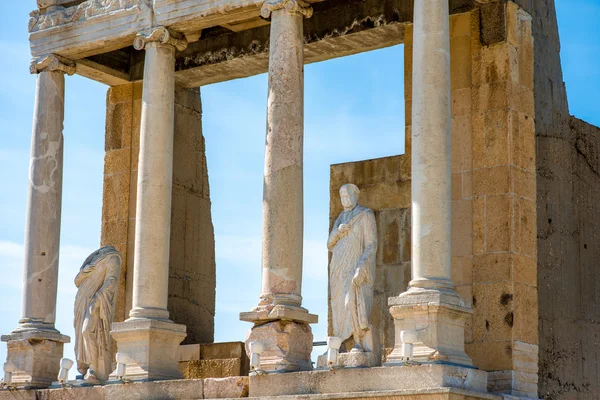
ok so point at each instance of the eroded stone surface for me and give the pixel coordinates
(97, 283)
(352, 274)
(287, 345)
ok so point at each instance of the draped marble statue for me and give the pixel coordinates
(97, 283)
(353, 244)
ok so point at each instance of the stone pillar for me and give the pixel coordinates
(279, 317)
(431, 306)
(149, 339)
(35, 346)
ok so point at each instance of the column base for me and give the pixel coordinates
(438, 317)
(287, 345)
(151, 346)
(36, 355)
(278, 312)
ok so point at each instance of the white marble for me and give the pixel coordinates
(42, 232)
(155, 179)
(283, 207)
(431, 151)
(353, 244)
(97, 283)
(35, 346)
(148, 339)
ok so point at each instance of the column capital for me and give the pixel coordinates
(299, 7)
(162, 35)
(52, 63)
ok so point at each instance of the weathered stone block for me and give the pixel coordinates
(152, 347)
(525, 314)
(461, 144)
(498, 223)
(491, 181)
(36, 361)
(525, 269)
(287, 345)
(234, 387)
(499, 311)
(461, 102)
(462, 228)
(478, 225)
(490, 356)
(460, 62)
(460, 24)
(492, 267)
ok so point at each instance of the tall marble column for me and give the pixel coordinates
(431, 307)
(148, 338)
(283, 209)
(36, 346)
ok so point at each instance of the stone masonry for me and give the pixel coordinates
(192, 265)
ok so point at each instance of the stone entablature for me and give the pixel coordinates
(60, 16)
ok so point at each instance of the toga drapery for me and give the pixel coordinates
(97, 282)
(351, 305)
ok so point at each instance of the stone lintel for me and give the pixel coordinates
(337, 28)
(356, 380)
(279, 313)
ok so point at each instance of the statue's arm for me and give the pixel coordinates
(334, 236)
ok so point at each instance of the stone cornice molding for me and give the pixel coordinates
(299, 7)
(52, 63)
(161, 35)
(57, 15)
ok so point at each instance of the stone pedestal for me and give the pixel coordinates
(36, 356)
(287, 345)
(439, 320)
(152, 347)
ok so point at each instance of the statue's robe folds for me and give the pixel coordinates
(350, 304)
(97, 283)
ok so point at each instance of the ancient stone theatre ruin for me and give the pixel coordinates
(447, 262)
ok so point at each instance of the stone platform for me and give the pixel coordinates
(357, 380)
(178, 390)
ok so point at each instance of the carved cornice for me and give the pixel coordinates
(52, 63)
(300, 7)
(161, 35)
(39, 21)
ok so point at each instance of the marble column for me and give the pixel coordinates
(148, 338)
(283, 209)
(35, 346)
(431, 306)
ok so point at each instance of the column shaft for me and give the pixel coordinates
(431, 146)
(283, 207)
(148, 338)
(42, 232)
(155, 176)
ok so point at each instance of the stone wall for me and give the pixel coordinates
(192, 277)
(569, 248)
(568, 244)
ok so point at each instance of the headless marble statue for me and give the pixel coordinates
(353, 244)
(97, 283)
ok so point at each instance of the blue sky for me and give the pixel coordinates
(353, 110)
